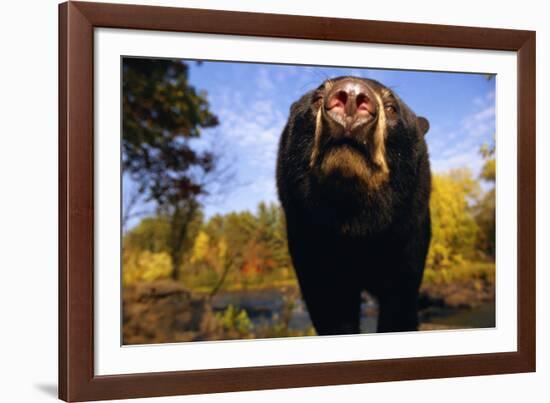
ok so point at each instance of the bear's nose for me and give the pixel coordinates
(351, 98)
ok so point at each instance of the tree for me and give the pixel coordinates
(488, 172)
(272, 233)
(151, 234)
(145, 265)
(151, 237)
(486, 208)
(162, 113)
(453, 226)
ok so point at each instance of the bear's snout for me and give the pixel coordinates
(351, 103)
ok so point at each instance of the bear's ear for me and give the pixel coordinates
(423, 125)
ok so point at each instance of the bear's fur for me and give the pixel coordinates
(354, 182)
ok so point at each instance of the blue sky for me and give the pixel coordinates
(252, 102)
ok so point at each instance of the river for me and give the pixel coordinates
(266, 306)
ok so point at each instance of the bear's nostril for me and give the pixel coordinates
(364, 104)
(338, 100)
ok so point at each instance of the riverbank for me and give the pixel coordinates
(458, 299)
(165, 311)
(466, 286)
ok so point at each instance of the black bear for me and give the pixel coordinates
(354, 181)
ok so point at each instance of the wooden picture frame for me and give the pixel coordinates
(77, 381)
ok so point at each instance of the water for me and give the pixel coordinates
(482, 316)
(267, 306)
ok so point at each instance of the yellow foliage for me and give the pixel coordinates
(200, 247)
(453, 226)
(222, 249)
(466, 272)
(235, 320)
(488, 172)
(145, 266)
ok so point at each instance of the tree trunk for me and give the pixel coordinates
(180, 219)
(221, 280)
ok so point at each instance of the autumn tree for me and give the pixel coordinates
(272, 232)
(486, 209)
(162, 114)
(150, 234)
(143, 265)
(453, 226)
(148, 241)
(240, 248)
(238, 231)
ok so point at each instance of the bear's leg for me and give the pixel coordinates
(398, 311)
(331, 294)
(398, 296)
(333, 305)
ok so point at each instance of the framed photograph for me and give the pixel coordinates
(256, 201)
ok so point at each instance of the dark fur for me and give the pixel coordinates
(344, 236)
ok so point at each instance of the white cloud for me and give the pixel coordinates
(250, 127)
(460, 148)
(469, 158)
(264, 81)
